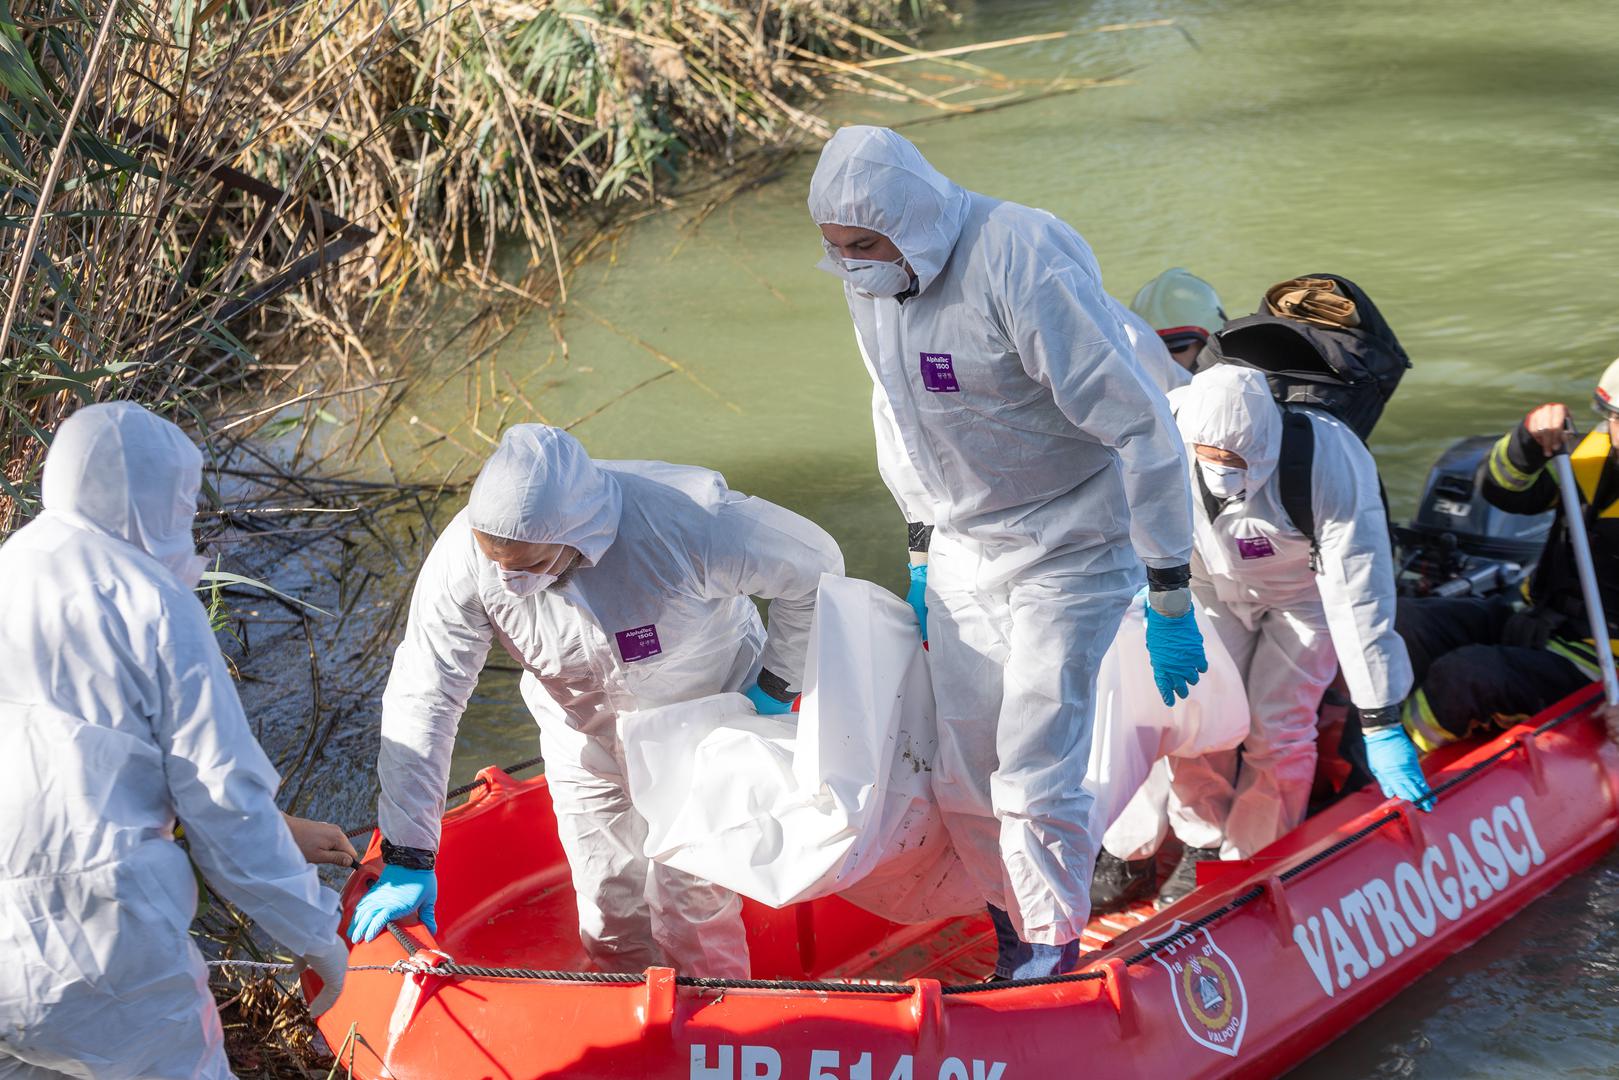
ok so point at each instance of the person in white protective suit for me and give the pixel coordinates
(618, 586)
(1151, 351)
(1288, 616)
(1022, 439)
(117, 716)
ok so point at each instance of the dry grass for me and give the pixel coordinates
(176, 182)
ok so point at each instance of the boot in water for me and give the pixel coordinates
(1183, 879)
(1118, 883)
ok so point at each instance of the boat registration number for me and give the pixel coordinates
(725, 1062)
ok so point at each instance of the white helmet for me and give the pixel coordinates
(1178, 303)
(1607, 392)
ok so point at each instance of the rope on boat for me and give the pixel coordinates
(456, 793)
(407, 966)
(451, 967)
(1013, 984)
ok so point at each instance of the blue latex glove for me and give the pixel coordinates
(764, 704)
(398, 892)
(917, 595)
(1175, 646)
(1393, 760)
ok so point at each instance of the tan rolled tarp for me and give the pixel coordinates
(1312, 300)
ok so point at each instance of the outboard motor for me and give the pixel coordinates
(1460, 545)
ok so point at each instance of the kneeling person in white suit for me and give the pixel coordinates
(1288, 615)
(618, 586)
(117, 716)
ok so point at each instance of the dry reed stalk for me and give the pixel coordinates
(188, 181)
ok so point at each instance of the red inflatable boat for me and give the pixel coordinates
(1266, 963)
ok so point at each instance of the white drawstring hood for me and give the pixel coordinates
(540, 487)
(1230, 408)
(121, 471)
(873, 178)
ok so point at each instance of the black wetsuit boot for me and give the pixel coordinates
(1118, 883)
(1183, 879)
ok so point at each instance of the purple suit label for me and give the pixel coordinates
(638, 644)
(1255, 547)
(938, 373)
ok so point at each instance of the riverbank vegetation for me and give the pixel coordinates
(214, 194)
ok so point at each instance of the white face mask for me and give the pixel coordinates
(529, 582)
(525, 583)
(873, 277)
(1223, 481)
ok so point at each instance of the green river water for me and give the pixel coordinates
(1459, 160)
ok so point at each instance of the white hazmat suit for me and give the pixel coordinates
(1288, 627)
(1141, 827)
(656, 612)
(1149, 350)
(1012, 416)
(117, 716)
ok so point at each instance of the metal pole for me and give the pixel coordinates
(1575, 515)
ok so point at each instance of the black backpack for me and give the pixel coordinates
(1349, 372)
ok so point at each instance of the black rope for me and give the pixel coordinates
(456, 793)
(451, 968)
(1013, 984)
(404, 939)
(1479, 766)
(1332, 849)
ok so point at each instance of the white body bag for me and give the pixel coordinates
(838, 799)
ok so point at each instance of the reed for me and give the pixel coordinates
(210, 194)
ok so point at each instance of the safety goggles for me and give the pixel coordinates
(1182, 338)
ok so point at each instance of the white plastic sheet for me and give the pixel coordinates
(839, 801)
(1131, 812)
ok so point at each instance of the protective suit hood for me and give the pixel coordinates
(130, 474)
(873, 178)
(540, 487)
(1230, 407)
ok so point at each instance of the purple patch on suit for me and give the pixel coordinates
(938, 373)
(638, 644)
(1255, 547)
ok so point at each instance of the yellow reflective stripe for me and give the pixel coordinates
(1421, 724)
(1580, 658)
(1504, 472)
(1589, 459)
(1582, 654)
